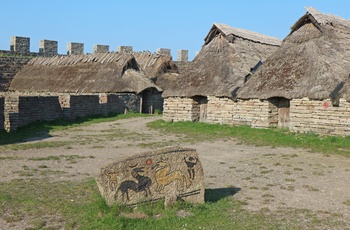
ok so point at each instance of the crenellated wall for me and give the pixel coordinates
(21, 46)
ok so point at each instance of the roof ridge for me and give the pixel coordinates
(80, 58)
(248, 34)
(328, 19)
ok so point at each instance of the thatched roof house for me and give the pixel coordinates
(82, 74)
(312, 61)
(304, 83)
(204, 91)
(227, 56)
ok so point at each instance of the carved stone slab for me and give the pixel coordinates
(168, 174)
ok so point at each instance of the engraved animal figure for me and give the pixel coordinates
(143, 183)
(112, 179)
(164, 177)
(190, 162)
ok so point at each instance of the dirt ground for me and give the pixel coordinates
(267, 179)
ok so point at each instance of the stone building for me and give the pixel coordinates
(303, 86)
(154, 66)
(206, 88)
(73, 86)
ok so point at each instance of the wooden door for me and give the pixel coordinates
(147, 106)
(283, 113)
(203, 112)
(203, 105)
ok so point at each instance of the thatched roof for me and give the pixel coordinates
(231, 33)
(227, 56)
(89, 73)
(311, 62)
(154, 65)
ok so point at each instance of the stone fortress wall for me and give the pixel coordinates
(20, 109)
(21, 46)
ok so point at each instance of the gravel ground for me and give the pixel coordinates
(272, 180)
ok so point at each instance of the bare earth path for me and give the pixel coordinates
(267, 179)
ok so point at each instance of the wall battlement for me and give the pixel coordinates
(21, 46)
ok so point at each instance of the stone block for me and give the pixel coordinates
(125, 49)
(101, 48)
(170, 173)
(164, 51)
(48, 47)
(75, 48)
(20, 44)
(182, 56)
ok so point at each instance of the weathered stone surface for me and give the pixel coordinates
(168, 174)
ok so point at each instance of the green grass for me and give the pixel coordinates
(43, 129)
(258, 137)
(78, 205)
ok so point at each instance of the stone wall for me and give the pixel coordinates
(11, 112)
(21, 111)
(9, 66)
(123, 102)
(223, 110)
(77, 106)
(2, 110)
(38, 108)
(320, 117)
(179, 109)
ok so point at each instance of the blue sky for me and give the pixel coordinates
(149, 24)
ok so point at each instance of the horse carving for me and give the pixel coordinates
(164, 176)
(143, 183)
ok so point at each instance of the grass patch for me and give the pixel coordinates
(78, 205)
(60, 157)
(41, 130)
(259, 137)
(347, 202)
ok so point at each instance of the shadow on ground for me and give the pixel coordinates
(216, 194)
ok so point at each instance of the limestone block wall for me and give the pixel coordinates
(179, 109)
(38, 108)
(320, 117)
(11, 112)
(254, 112)
(23, 110)
(80, 106)
(123, 102)
(2, 110)
(220, 110)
